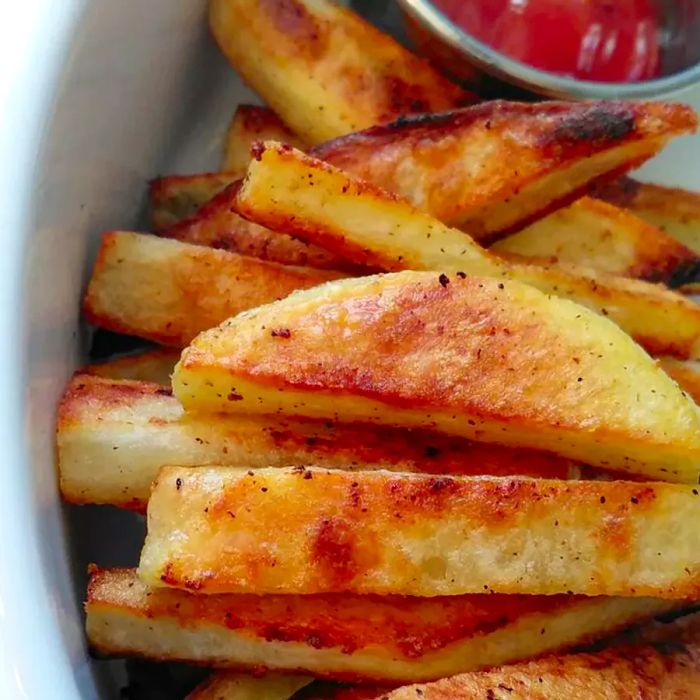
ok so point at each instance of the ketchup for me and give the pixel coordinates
(601, 40)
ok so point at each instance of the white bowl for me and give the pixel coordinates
(97, 97)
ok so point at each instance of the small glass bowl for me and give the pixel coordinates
(492, 73)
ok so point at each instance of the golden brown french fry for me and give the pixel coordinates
(493, 168)
(289, 191)
(229, 685)
(178, 197)
(168, 291)
(114, 436)
(150, 366)
(601, 236)
(222, 530)
(672, 209)
(252, 123)
(346, 637)
(217, 225)
(686, 373)
(657, 670)
(323, 69)
(491, 361)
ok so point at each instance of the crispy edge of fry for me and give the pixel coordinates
(113, 436)
(686, 373)
(168, 291)
(154, 366)
(252, 123)
(376, 533)
(232, 685)
(125, 617)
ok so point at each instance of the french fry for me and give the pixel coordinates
(672, 209)
(114, 436)
(601, 236)
(252, 123)
(323, 69)
(687, 374)
(221, 530)
(493, 168)
(345, 637)
(490, 361)
(667, 668)
(176, 198)
(168, 291)
(217, 225)
(229, 685)
(289, 191)
(150, 366)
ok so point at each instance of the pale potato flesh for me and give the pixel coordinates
(220, 530)
(229, 685)
(168, 291)
(289, 191)
(114, 436)
(491, 361)
(595, 234)
(346, 637)
(323, 69)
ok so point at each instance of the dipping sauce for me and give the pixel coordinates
(599, 40)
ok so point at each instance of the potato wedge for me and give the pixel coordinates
(114, 436)
(178, 197)
(345, 637)
(687, 374)
(168, 291)
(491, 361)
(229, 685)
(601, 236)
(217, 225)
(252, 123)
(150, 366)
(658, 670)
(674, 210)
(493, 168)
(222, 530)
(323, 69)
(289, 191)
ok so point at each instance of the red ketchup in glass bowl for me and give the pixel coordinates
(598, 40)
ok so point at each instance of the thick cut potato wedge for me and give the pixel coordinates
(114, 436)
(346, 637)
(222, 530)
(252, 123)
(658, 670)
(687, 374)
(492, 168)
(217, 225)
(178, 197)
(229, 685)
(168, 291)
(323, 69)
(289, 191)
(150, 366)
(491, 361)
(603, 237)
(674, 210)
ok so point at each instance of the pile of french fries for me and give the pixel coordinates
(423, 420)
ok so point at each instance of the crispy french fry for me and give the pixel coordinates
(493, 168)
(601, 236)
(491, 361)
(674, 210)
(252, 123)
(168, 291)
(657, 670)
(323, 69)
(114, 436)
(176, 198)
(221, 530)
(346, 637)
(218, 226)
(150, 366)
(229, 685)
(287, 190)
(686, 373)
